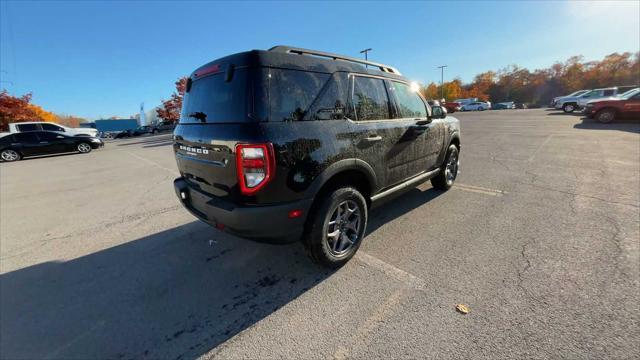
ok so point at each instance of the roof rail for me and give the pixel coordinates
(300, 51)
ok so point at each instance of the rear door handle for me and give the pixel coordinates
(373, 138)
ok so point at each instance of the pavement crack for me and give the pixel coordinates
(521, 271)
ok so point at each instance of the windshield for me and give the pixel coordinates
(577, 93)
(629, 94)
(212, 99)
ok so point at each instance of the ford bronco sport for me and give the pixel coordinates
(290, 144)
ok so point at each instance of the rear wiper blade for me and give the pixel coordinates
(199, 115)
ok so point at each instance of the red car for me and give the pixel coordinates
(607, 110)
(452, 106)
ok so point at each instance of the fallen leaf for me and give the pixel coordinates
(462, 308)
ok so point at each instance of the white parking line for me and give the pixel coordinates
(391, 271)
(479, 190)
(545, 142)
(172, 171)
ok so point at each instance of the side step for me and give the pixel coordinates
(409, 183)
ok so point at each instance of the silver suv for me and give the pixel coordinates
(571, 104)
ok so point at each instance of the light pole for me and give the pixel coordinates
(366, 58)
(442, 80)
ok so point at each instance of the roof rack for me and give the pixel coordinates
(300, 51)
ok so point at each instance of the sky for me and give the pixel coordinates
(102, 59)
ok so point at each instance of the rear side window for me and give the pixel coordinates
(28, 127)
(609, 92)
(370, 100)
(52, 127)
(410, 104)
(291, 93)
(331, 103)
(212, 99)
(26, 138)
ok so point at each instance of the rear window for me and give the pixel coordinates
(212, 99)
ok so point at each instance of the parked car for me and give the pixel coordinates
(50, 126)
(571, 104)
(573, 94)
(465, 101)
(141, 130)
(452, 106)
(32, 143)
(322, 140)
(607, 110)
(477, 105)
(163, 127)
(503, 105)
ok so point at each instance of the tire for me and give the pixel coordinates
(569, 108)
(480, 108)
(448, 171)
(606, 116)
(335, 251)
(10, 155)
(83, 148)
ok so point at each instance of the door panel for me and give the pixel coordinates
(29, 143)
(51, 143)
(393, 146)
(426, 138)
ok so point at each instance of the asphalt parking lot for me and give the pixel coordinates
(539, 238)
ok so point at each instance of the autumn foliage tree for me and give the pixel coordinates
(170, 109)
(20, 109)
(514, 83)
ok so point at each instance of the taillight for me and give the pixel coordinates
(255, 165)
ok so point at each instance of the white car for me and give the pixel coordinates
(49, 126)
(477, 105)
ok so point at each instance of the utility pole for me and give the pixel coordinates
(366, 58)
(442, 80)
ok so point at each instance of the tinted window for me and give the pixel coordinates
(26, 138)
(48, 136)
(331, 103)
(370, 100)
(410, 104)
(211, 99)
(608, 92)
(292, 92)
(51, 127)
(28, 127)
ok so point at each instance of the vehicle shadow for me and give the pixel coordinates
(159, 144)
(398, 205)
(562, 113)
(151, 139)
(628, 125)
(167, 295)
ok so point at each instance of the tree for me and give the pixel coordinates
(15, 109)
(170, 109)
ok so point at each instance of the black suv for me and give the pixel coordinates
(291, 144)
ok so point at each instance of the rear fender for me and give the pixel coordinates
(341, 166)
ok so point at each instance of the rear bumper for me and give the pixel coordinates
(269, 223)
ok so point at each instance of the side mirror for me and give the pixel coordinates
(438, 112)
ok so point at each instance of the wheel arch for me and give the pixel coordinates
(353, 172)
(615, 110)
